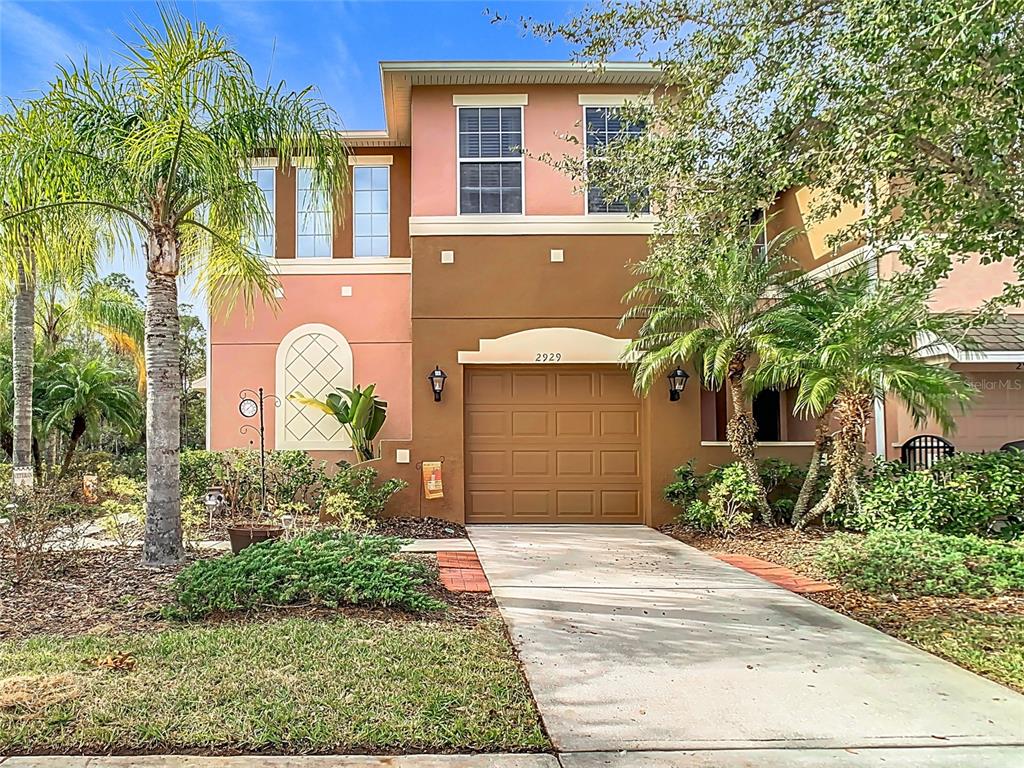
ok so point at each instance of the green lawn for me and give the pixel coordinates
(292, 685)
(990, 645)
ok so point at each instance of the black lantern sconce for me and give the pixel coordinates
(677, 383)
(437, 377)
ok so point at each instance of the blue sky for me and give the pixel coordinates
(334, 46)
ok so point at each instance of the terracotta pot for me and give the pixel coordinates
(242, 536)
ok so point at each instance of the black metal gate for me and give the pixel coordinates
(922, 451)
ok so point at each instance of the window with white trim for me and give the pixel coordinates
(371, 210)
(490, 160)
(313, 220)
(263, 241)
(603, 126)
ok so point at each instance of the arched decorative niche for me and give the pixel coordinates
(313, 359)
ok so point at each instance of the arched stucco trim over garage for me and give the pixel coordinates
(548, 345)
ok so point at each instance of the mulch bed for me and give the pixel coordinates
(108, 591)
(796, 551)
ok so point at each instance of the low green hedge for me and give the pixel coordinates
(970, 493)
(330, 568)
(919, 563)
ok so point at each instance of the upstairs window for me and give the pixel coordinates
(490, 160)
(312, 218)
(371, 211)
(263, 243)
(603, 126)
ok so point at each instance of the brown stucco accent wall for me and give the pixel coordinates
(284, 207)
(500, 285)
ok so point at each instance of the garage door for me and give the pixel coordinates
(552, 444)
(996, 414)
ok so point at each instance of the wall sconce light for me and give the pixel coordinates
(437, 377)
(677, 383)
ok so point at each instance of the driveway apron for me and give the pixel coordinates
(633, 641)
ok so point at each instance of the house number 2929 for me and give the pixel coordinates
(548, 357)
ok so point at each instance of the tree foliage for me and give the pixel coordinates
(909, 111)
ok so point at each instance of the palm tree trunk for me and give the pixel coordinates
(810, 484)
(742, 432)
(853, 412)
(23, 339)
(162, 544)
(77, 430)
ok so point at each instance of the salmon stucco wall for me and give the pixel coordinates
(552, 113)
(374, 320)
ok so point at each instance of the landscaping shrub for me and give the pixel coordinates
(968, 493)
(918, 563)
(730, 504)
(781, 480)
(198, 471)
(345, 512)
(328, 568)
(292, 477)
(360, 484)
(35, 522)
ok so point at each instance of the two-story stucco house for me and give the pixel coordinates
(461, 252)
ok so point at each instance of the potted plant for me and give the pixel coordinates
(252, 525)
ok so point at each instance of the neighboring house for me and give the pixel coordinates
(994, 366)
(457, 251)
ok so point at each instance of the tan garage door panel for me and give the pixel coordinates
(995, 416)
(552, 443)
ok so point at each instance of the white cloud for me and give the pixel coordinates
(39, 44)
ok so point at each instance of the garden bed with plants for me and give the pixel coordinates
(931, 557)
(327, 639)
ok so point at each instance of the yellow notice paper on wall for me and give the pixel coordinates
(433, 486)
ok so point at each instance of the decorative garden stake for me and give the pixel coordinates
(251, 404)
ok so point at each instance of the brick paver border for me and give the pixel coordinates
(776, 574)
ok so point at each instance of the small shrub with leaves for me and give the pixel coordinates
(37, 521)
(360, 484)
(921, 563)
(691, 491)
(329, 568)
(199, 470)
(730, 504)
(292, 476)
(972, 493)
(345, 512)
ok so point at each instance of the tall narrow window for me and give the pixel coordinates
(313, 218)
(371, 210)
(604, 125)
(264, 240)
(490, 160)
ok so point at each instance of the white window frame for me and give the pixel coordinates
(269, 164)
(459, 159)
(355, 233)
(330, 219)
(586, 104)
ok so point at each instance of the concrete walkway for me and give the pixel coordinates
(642, 651)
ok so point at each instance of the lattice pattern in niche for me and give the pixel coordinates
(314, 365)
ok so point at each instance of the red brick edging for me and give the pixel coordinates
(462, 572)
(776, 574)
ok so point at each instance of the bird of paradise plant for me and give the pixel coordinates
(360, 413)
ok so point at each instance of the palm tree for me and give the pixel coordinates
(806, 307)
(847, 344)
(82, 396)
(53, 239)
(160, 145)
(715, 306)
(89, 304)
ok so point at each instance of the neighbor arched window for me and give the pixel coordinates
(313, 359)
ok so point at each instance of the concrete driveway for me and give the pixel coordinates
(642, 651)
